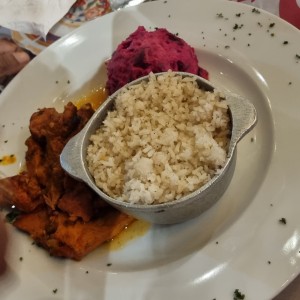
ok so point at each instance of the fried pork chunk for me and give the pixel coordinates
(61, 214)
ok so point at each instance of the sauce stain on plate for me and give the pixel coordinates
(7, 160)
(135, 230)
(95, 97)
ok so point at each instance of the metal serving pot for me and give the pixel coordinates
(243, 117)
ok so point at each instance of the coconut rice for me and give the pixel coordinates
(165, 139)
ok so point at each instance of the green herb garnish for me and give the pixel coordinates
(236, 26)
(237, 295)
(256, 11)
(283, 221)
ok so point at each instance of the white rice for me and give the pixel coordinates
(165, 139)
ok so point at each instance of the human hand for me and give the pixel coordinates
(12, 58)
(3, 242)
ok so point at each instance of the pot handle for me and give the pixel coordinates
(71, 157)
(244, 116)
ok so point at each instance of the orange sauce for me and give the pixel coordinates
(95, 97)
(136, 229)
(7, 160)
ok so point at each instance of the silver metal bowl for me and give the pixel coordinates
(243, 117)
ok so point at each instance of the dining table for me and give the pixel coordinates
(288, 10)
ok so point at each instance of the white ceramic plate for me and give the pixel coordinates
(237, 244)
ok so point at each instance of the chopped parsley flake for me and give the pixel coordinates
(220, 15)
(283, 221)
(236, 26)
(237, 295)
(255, 11)
(272, 34)
(290, 83)
(259, 24)
(68, 81)
(227, 47)
(269, 262)
(86, 272)
(20, 258)
(54, 291)
(272, 25)
(285, 42)
(297, 56)
(238, 15)
(109, 264)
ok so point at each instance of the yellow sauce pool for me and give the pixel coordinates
(95, 97)
(136, 229)
(7, 160)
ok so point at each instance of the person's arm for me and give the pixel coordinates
(12, 58)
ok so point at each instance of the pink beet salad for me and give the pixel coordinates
(150, 51)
